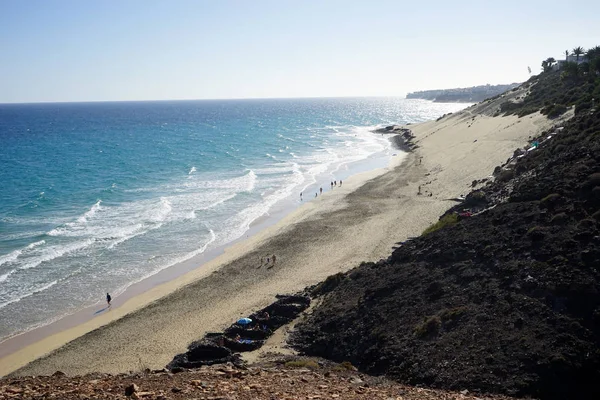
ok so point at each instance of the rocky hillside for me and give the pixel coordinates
(281, 379)
(503, 293)
(462, 95)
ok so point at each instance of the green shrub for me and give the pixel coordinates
(330, 283)
(478, 195)
(536, 233)
(505, 175)
(345, 366)
(429, 327)
(509, 106)
(452, 314)
(550, 200)
(559, 219)
(448, 219)
(581, 107)
(526, 111)
(555, 110)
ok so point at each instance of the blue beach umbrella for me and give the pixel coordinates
(244, 321)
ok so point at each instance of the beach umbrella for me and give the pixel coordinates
(244, 321)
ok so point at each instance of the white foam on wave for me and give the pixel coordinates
(10, 257)
(251, 181)
(5, 276)
(192, 171)
(35, 244)
(236, 225)
(339, 146)
(90, 213)
(114, 225)
(173, 261)
(235, 183)
(50, 253)
(14, 255)
(134, 231)
(359, 142)
(276, 169)
(116, 222)
(160, 214)
(36, 290)
(286, 138)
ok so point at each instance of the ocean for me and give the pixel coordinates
(98, 196)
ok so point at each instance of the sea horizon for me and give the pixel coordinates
(402, 96)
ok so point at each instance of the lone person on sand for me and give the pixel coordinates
(274, 259)
(321, 190)
(108, 299)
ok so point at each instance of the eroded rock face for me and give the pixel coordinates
(266, 382)
(506, 300)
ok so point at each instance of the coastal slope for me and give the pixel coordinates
(502, 294)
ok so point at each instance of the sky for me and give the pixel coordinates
(79, 50)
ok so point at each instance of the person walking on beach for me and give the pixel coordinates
(332, 185)
(108, 299)
(300, 196)
(316, 194)
(274, 259)
(340, 182)
(321, 190)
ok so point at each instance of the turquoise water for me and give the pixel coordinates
(98, 196)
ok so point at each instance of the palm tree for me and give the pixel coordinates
(593, 53)
(578, 51)
(566, 55)
(548, 63)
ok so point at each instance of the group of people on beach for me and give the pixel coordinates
(333, 183)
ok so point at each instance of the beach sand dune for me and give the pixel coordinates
(360, 221)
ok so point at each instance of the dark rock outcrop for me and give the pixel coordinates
(222, 347)
(506, 300)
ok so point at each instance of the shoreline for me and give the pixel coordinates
(362, 221)
(34, 343)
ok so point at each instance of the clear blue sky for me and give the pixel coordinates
(101, 50)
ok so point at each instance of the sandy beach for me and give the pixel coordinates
(360, 221)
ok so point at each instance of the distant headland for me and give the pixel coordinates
(471, 94)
